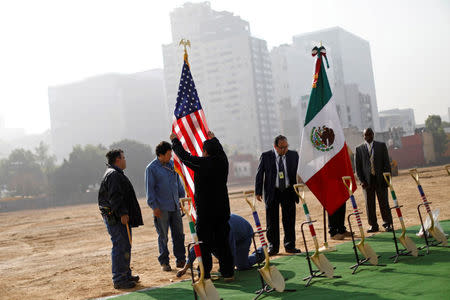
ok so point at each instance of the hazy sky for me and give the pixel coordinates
(51, 42)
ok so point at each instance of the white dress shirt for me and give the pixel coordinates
(283, 158)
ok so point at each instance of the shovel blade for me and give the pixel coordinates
(323, 264)
(205, 290)
(273, 278)
(438, 235)
(368, 252)
(409, 245)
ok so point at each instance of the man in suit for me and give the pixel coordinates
(211, 201)
(372, 160)
(276, 175)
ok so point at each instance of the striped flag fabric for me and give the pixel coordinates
(189, 124)
(324, 158)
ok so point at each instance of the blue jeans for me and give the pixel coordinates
(120, 252)
(172, 220)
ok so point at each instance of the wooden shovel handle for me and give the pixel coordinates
(415, 175)
(348, 186)
(388, 178)
(447, 167)
(129, 235)
(299, 189)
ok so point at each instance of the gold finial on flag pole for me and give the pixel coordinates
(320, 43)
(185, 43)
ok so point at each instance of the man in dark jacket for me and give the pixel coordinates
(277, 173)
(119, 207)
(372, 159)
(211, 201)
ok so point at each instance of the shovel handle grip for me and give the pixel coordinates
(447, 167)
(388, 178)
(415, 175)
(349, 185)
(183, 202)
(248, 194)
(299, 189)
(129, 235)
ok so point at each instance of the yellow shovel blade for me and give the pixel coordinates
(205, 290)
(273, 277)
(323, 264)
(409, 245)
(438, 235)
(368, 252)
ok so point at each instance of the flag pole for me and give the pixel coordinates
(325, 247)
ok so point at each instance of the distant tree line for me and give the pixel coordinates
(35, 173)
(435, 126)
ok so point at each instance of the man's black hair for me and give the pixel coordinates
(278, 139)
(112, 155)
(162, 148)
(210, 147)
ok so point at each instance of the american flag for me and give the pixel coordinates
(189, 124)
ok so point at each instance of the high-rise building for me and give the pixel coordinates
(395, 118)
(108, 108)
(232, 72)
(350, 76)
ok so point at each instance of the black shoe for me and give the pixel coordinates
(293, 250)
(124, 285)
(134, 278)
(273, 252)
(388, 228)
(373, 229)
(180, 264)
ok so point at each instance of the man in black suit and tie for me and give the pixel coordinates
(277, 173)
(371, 161)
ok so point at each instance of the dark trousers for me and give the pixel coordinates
(381, 191)
(336, 222)
(172, 220)
(214, 235)
(288, 218)
(120, 252)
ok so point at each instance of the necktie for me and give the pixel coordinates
(281, 174)
(372, 165)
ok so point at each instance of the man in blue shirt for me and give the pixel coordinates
(240, 239)
(164, 189)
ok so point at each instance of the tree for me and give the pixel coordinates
(84, 167)
(21, 174)
(138, 156)
(44, 159)
(434, 125)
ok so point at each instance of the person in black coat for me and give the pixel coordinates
(211, 201)
(276, 175)
(119, 206)
(372, 160)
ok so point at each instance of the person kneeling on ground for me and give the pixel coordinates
(240, 239)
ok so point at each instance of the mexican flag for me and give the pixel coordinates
(323, 153)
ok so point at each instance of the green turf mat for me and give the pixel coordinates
(424, 277)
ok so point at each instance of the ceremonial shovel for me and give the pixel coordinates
(203, 287)
(434, 231)
(270, 274)
(318, 259)
(364, 248)
(404, 239)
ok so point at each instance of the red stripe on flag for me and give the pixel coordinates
(194, 132)
(327, 183)
(201, 123)
(189, 142)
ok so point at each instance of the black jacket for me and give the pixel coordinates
(380, 161)
(117, 193)
(210, 182)
(266, 175)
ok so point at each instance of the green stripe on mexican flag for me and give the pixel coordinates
(323, 153)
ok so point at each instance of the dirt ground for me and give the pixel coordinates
(64, 253)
